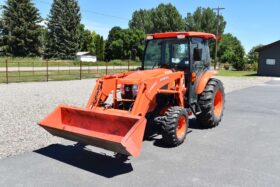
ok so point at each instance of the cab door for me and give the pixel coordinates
(200, 62)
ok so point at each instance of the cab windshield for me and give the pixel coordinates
(166, 53)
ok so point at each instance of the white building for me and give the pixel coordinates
(86, 57)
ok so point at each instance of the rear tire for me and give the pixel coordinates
(175, 126)
(211, 102)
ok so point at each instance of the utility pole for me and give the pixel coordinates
(217, 34)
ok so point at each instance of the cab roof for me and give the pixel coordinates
(186, 34)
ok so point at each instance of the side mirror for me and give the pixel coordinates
(197, 54)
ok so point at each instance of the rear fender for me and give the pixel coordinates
(203, 80)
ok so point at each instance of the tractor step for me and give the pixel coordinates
(195, 108)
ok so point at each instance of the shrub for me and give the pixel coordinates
(248, 67)
(239, 65)
(255, 66)
(226, 66)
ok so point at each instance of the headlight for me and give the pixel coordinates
(134, 90)
(129, 91)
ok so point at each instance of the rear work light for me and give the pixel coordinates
(181, 36)
(149, 37)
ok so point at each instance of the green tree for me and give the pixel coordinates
(117, 49)
(163, 18)
(43, 38)
(87, 42)
(113, 36)
(253, 55)
(64, 30)
(167, 18)
(122, 42)
(204, 20)
(133, 40)
(231, 51)
(141, 19)
(20, 29)
(99, 43)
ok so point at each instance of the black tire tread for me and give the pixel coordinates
(170, 125)
(207, 118)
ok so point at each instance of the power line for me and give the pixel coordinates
(217, 34)
(107, 15)
(92, 12)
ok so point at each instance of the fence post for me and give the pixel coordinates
(19, 71)
(47, 70)
(7, 76)
(80, 70)
(128, 65)
(33, 67)
(106, 68)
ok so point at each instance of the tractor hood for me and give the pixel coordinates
(146, 74)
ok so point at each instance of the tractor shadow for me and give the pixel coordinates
(193, 124)
(103, 165)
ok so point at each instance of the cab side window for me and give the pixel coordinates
(200, 46)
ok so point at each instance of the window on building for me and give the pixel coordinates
(270, 62)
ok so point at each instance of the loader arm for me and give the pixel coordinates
(148, 89)
(102, 89)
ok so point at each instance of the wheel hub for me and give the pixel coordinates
(218, 103)
(181, 127)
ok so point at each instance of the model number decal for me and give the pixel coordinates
(164, 78)
(153, 86)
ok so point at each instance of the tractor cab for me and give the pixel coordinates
(179, 51)
(183, 51)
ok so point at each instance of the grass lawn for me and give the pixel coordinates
(230, 73)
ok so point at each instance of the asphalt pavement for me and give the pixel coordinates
(244, 150)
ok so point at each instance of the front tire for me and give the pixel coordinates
(175, 126)
(211, 102)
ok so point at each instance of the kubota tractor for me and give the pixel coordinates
(173, 83)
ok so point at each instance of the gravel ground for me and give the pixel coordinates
(24, 104)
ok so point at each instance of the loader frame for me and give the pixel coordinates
(148, 89)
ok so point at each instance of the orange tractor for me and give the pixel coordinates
(173, 83)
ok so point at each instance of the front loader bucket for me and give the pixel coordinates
(121, 133)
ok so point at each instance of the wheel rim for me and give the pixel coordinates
(218, 104)
(181, 127)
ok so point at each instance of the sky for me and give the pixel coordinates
(252, 22)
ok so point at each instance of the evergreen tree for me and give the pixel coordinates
(20, 30)
(64, 30)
